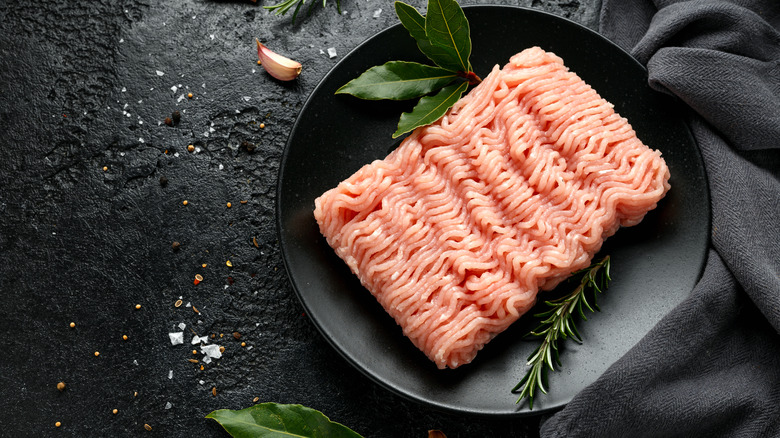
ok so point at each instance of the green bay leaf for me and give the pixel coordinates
(414, 22)
(398, 80)
(272, 420)
(446, 26)
(430, 108)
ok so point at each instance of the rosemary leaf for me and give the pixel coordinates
(558, 324)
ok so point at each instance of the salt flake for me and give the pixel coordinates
(211, 351)
(377, 13)
(176, 338)
(199, 339)
(331, 52)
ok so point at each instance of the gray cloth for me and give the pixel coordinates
(712, 366)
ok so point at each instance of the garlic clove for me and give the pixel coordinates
(278, 66)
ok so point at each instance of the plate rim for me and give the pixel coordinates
(283, 245)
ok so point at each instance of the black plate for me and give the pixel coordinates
(655, 264)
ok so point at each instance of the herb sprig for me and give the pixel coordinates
(444, 37)
(558, 324)
(284, 6)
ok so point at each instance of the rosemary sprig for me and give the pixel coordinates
(559, 324)
(282, 7)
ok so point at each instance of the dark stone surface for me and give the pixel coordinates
(80, 91)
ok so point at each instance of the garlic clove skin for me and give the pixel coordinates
(278, 66)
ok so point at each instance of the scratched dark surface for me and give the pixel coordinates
(87, 220)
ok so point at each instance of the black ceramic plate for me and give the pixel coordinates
(655, 264)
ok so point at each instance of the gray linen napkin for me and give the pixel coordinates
(712, 366)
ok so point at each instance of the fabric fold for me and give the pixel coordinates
(712, 366)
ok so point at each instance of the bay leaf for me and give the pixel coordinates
(397, 80)
(430, 108)
(446, 26)
(272, 420)
(414, 22)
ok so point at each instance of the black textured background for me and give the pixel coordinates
(80, 91)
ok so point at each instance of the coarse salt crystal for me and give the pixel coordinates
(159, 73)
(202, 382)
(211, 351)
(206, 360)
(170, 374)
(331, 52)
(124, 89)
(168, 405)
(199, 339)
(174, 88)
(182, 325)
(176, 338)
(377, 13)
(180, 98)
